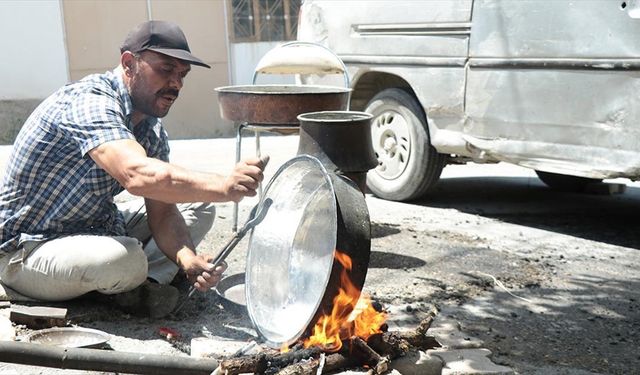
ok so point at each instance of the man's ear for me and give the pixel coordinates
(127, 60)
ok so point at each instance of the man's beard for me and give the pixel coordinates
(146, 102)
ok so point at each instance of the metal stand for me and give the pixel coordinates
(272, 63)
(257, 129)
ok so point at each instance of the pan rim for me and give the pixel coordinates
(262, 331)
(284, 89)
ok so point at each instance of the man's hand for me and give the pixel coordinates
(201, 273)
(245, 178)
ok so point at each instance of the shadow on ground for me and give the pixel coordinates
(612, 219)
(598, 332)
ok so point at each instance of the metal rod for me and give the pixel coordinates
(234, 227)
(102, 360)
(257, 214)
(258, 154)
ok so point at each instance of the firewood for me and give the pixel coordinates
(308, 367)
(397, 344)
(390, 344)
(266, 363)
(283, 360)
(370, 357)
(425, 324)
(375, 352)
(337, 361)
(240, 365)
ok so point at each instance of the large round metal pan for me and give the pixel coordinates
(278, 104)
(291, 275)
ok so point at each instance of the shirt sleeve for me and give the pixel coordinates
(94, 117)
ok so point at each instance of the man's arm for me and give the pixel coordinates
(128, 163)
(172, 237)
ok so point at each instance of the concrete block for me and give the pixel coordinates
(469, 361)
(38, 317)
(417, 362)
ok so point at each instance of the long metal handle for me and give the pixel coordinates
(256, 215)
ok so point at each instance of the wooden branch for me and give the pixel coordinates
(266, 363)
(337, 361)
(359, 347)
(376, 352)
(308, 367)
(397, 344)
(239, 365)
(283, 360)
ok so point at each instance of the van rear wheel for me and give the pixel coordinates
(408, 166)
(567, 183)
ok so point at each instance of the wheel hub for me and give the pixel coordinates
(391, 144)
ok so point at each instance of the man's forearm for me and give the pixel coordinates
(169, 183)
(128, 163)
(171, 233)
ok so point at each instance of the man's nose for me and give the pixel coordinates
(176, 81)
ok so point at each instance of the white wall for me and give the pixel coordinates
(244, 58)
(33, 60)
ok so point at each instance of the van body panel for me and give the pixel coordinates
(549, 85)
(552, 85)
(553, 29)
(369, 28)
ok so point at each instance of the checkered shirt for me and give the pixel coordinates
(51, 187)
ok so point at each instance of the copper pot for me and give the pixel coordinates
(278, 104)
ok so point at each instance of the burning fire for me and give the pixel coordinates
(352, 314)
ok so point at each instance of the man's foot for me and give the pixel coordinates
(149, 299)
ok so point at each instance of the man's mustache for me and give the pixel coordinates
(172, 92)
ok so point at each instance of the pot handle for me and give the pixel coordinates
(300, 57)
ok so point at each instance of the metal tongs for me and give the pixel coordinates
(257, 214)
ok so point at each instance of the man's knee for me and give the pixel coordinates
(206, 213)
(123, 269)
(199, 217)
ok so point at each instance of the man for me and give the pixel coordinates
(62, 236)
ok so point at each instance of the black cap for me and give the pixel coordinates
(162, 37)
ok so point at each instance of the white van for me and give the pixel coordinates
(552, 85)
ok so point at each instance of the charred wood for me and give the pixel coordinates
(239, 365)
(308, 367)
(368, 356)
(376, 352)
(397, 344)
(264, 363)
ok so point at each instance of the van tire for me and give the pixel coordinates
(408, 166)
(566, 183)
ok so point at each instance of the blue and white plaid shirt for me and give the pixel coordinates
(51, 186)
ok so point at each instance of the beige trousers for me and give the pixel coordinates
(68, 267)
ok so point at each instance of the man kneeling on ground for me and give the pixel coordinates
(62, 235)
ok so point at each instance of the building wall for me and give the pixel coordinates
(33, 60)
(245, 57)
(33, 63)
(95, 29)
(48, 43)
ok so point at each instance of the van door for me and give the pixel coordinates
(553, 85)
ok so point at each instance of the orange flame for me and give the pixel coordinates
(352, 314)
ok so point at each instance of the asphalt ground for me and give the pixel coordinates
(547, 281)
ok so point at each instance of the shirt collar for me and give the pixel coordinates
(121, 89)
